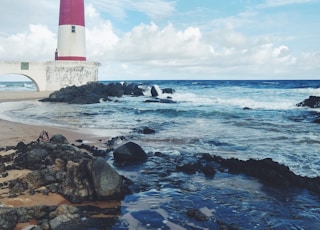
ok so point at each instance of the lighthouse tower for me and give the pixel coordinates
(71, 33)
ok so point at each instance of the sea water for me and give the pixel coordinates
(242, 119)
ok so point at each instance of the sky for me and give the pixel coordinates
(176, 39)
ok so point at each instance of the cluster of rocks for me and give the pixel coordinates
(312, 102)
(266, 170)
(58, 167)
(95, 92)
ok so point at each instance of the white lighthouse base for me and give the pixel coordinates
(53, 75)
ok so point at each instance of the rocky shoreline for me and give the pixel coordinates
(79, 175)
(50, 183)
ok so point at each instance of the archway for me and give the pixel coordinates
(17, 82)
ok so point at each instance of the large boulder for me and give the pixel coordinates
(132, 89)
(129, 153)
(106, 181)
(59, 139)
(312, 102)
(75, 182)
(115, 90)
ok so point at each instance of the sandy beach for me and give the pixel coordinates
(13, 132)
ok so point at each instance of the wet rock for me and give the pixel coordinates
(132, 89)
(269, 172)
(312, 102)
(115, 90)
(93, 92)
(129, 153)
(155, 91)
(188, 165)
(59, 139)
(208, 169)
(158, 100)
(147, 130)
(197, 215)
(106, 181)
(168, 90)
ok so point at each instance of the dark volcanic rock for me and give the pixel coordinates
(158, 100)
(132, 89)
(147, 130)
(129, 153)
(312, 102)
(85, 94)
(115, 90)
(93, 92)
(155, 91)
(59, 139)
(8, 218)
(197, 215)
(269, 172)
(168, 90)
(107, 182)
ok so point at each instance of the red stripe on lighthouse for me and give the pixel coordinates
(71, 58)
(72, 12)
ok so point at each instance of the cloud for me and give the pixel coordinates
(35, 44)
(278, 3)
(149, 50)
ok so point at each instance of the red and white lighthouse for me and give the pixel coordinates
(71, 33)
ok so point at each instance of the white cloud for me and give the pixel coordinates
(278, 3)
(38, 43)
(153, 50)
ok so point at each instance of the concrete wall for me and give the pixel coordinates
(53, 75)
(66, 73)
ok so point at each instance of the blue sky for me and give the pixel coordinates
(176, 39)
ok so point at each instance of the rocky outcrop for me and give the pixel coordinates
(129, 153)
(312, 102)
(95, 92)
(64, 169)
(268, 171)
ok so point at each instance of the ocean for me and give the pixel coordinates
(241, 119)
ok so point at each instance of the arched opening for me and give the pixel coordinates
(17, 83)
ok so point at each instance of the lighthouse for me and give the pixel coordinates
(71, 32)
